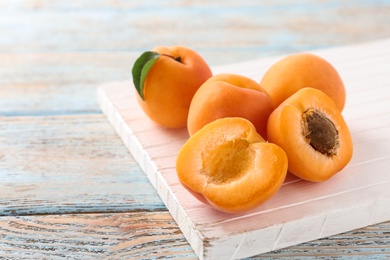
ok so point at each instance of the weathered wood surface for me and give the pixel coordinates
(67, 164)
(92, 236)
(151, 235)
(53, 54)
(56, 83)
(223, 32)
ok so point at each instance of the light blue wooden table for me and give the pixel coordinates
(69, 188)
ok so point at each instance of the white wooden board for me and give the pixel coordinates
(301, 211)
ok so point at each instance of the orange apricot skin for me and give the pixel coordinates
(230, 95)
(171, 84)
(285, 128)
(297, 71)
(262, 179)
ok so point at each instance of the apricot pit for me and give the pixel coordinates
(320, 132)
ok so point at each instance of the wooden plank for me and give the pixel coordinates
(151, 235)
(301, 211)
(229, 33)
(93, 236)
(57, 83)
(358, 244)
(68, 164)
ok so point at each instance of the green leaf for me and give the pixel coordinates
(141, 68)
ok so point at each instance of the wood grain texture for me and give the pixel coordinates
(57, 83)
(301, 211)
(68, 164)
(225, 33)
(147, 235)
(93, 236)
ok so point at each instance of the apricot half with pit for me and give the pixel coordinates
(229, 166)
(309, 127)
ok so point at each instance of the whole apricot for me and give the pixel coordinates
(229, 166)
(297, 71)
(230, 95)
(166, 79)
(309, 127)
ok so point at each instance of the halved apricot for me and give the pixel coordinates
(309, 127)
(229, 166)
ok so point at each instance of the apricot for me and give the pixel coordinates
(166, 79)
(309, 127)
(230, 95)
(229, 166)
(297, 71)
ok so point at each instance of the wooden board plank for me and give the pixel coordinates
(68, 164)
(56, 83)
(93, 236)
(234, 31)
(301, 211)
(146, 235)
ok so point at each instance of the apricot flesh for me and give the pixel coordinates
(309, 127)
(229, 166)
(302, 70)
